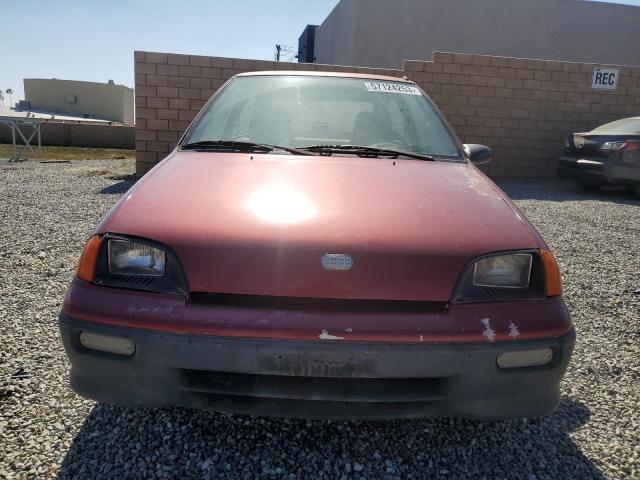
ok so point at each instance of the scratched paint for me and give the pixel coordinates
(137, 309)
(326, 336)
(488, 332)
(514, 332)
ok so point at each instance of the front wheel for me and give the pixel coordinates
(637, 191)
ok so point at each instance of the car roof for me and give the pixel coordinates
(314, 73)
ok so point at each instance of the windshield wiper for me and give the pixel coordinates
(226, 145)
(236, 146)
(363, 151)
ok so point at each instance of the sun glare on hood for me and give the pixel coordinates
(281, 203)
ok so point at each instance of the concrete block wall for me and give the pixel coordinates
(172, 88)
(522, 108)
(77, 135)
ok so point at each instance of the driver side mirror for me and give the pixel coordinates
(478, 154)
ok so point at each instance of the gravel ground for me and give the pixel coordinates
(46, 431)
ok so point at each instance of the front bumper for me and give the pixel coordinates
(611, 171)
(585, 169)
(315, 379)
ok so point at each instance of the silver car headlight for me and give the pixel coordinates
(115, 260)
(132, 258)
(502, 276)
(503, 271)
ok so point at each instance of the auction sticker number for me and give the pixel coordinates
(392, 88)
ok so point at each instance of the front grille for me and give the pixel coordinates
(328, 389)
(127, 279)
(325, 305)
(500, 292)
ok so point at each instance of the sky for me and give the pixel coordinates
(94, 40)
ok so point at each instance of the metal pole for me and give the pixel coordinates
(13, 141)
(39, 142)
(14, 124)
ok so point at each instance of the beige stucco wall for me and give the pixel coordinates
(383, 33)
(129, 100)
(100, 100)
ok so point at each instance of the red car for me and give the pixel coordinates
(319, 245)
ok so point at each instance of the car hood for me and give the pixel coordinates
(260, 224)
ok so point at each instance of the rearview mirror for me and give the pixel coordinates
(478, 154)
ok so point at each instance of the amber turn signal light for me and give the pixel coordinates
(87, 263)
(553, 281)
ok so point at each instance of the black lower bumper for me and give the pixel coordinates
(599, 172)
(315, 379)
(584, 169)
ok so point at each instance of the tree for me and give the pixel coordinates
(9, 92)
(1, 98)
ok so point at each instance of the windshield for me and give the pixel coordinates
(626, 126)
(299, 111)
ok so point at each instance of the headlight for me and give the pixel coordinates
(134, 263)
(502, 276)
(132, 258)
(503, 271)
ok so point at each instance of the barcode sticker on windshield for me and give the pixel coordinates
(392, 88)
